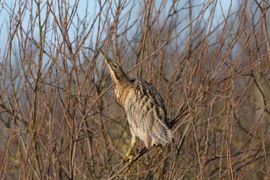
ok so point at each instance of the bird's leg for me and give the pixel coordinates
(128, 156)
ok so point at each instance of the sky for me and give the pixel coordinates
(90, 7)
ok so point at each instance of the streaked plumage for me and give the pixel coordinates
(144, 107)
(146, 114)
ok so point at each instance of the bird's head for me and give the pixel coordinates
(116, 72)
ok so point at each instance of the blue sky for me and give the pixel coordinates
(91, 8)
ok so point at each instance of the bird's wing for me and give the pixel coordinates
(146, 112)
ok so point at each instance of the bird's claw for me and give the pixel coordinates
(128, 158)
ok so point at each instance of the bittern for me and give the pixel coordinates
(143, 105)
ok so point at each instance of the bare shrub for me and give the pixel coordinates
(58, 115)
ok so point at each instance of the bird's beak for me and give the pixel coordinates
(109, 64)
(117, 74)
(108, 61)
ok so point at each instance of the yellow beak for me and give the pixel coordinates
(106, 58)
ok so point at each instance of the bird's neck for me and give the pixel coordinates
(121, 91)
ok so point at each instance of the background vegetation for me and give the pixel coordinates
(211, 64)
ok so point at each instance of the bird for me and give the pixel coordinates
(144, 107)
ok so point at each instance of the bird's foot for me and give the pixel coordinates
(128, 158)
